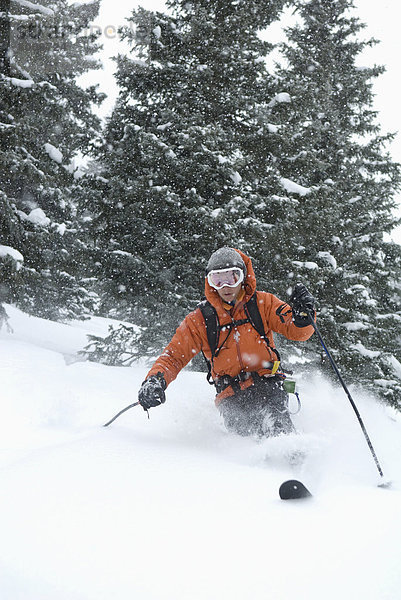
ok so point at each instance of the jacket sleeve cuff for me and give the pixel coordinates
(300, 321)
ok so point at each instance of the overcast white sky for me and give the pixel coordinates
(382, 20)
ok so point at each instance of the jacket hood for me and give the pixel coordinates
(249, 284)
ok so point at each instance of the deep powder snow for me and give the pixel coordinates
(174, 507)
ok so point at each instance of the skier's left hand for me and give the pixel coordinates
(302, 302)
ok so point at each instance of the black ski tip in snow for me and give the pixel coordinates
(293, 490)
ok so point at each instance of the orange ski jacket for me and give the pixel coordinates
(243, 350)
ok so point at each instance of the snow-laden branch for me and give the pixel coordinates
(294, 188)
(328, 257)
(54, 153)
(305, 264)
(38, 7)
(359, 347)
(22, 83)
(281, 98)
(12, 253)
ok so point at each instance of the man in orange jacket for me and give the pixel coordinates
(245, 365)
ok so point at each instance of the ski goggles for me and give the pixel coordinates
(225, 278)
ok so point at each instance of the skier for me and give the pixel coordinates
(245, 365)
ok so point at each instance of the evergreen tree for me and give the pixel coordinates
(5, 36)
(330, 143)
(45, 119)
(188, 161)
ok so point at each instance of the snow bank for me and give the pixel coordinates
(89, 513)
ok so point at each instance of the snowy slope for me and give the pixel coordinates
(174, 507)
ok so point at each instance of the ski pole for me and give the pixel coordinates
(120, 413)
(333, 364)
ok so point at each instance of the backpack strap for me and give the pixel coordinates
(212, 331)
(212, 324)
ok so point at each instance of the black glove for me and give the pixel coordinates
(151, 392)
(302, 301)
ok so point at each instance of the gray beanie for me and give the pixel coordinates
(224, 258)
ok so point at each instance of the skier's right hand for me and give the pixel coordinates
(151, 392)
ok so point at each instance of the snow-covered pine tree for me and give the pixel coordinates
(331, 145)
(45, 120)
(188, 160)
(5, 36)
